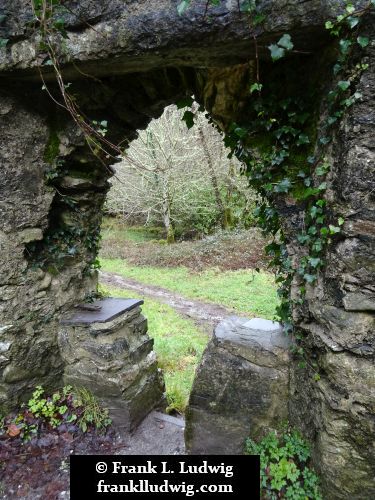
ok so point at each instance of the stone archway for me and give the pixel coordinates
(139, 59)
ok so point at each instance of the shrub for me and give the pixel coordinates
(284, 466)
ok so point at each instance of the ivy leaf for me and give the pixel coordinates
(314, 262)
(345, 46)
(363, 41)
(248, 6)
(258, 19)
(311, 159)
(3, 42)
(286, 42)
(2, 17)
(256, 87)
(337, 68)
(276, 52)
(302, 139)
(313, 211)
(324, 140)
(352, 21)
(188, 118)
(317, 246)
(181, 7)
(309, 278)
(283, 186)
(343, 85)
(303, 238)
(321, 170)
(334, 229)
(340, 221)
(329, 25)
(240, 132)
(186, 102)
(331, 120)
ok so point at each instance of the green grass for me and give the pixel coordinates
(178, 343)
(112, 229)
(251, 293)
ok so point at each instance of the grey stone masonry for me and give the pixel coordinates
(106, 349)
(241, 387)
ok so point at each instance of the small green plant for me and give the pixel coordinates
(92, 413)
(51, 409)
(44, 412)
(284, 466)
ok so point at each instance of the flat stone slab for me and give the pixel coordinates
(262, 324)
(256, 334)
(100, 311)
(155, 436)
(163, 417)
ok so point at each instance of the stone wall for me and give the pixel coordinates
(337, 411)
(106, 349)
(46, 262)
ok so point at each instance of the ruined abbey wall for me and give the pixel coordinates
(137, 60)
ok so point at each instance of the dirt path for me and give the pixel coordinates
(205, 314)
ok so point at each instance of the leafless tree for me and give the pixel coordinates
(174, 175)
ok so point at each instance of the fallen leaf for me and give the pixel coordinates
(13, 430)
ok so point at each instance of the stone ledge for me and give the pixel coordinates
(100, 311)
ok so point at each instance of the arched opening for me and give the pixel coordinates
(180, 233)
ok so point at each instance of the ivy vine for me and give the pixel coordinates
(278, 148)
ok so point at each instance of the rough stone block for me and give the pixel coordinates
(107, 350)
(241, 387)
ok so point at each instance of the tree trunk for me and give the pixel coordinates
(224, 220)
(167, 211)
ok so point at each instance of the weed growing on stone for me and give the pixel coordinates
(92, 413)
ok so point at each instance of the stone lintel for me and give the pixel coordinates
(100, 311)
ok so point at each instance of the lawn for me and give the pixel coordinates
(179, 345)
(244, 290)
(112, 229)
(215, 269)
